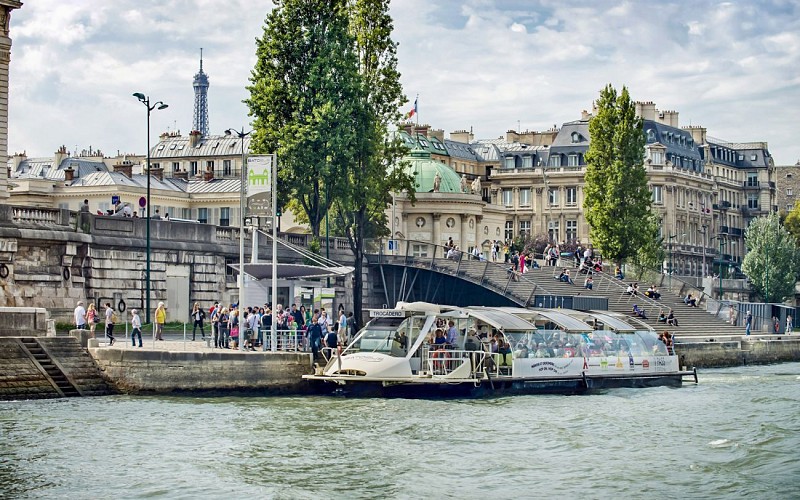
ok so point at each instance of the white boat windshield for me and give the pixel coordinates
(391, 336)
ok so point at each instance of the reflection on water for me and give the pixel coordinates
(735, 434)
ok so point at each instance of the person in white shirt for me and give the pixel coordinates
(342, 332)
(80, 316)
(136, 324)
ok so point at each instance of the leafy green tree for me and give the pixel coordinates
(376, 170)
(617, 201)
(792, 222)
(771, 263)
(304, 99)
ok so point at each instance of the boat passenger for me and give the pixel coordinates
(452, 334)
(401, 339)
(439, 340)
(504, 349)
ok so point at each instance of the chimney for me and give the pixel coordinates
(698, 134)
(124, 167)
(646, 110)
(438, 134)
(59, 157)
(181, 174)
(157, 172)
(585, 115)
(208, 174)
(512, 136)
(69, 174)
(460, 136)
(422, 130)
(194, 138)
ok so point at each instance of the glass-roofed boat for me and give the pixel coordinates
(426, 350)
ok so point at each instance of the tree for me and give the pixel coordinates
(771, 263)
(617, 201)
(304, 99)
(376, 170)
(792, 222)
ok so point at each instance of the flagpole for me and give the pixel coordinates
(416, 109)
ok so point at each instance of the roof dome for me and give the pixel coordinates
(424, 169)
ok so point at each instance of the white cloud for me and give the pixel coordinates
(474, 63)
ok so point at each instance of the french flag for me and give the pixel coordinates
(413, 110)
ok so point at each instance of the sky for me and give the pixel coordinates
(490, 66)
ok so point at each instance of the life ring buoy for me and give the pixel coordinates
(121, 306)
(66, 274)
(4, 271)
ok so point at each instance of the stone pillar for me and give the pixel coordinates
(6, 6)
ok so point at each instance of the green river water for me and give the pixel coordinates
(735, 435)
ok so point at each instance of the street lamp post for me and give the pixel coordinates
(703, 232)
(241, 134)
(150, 107)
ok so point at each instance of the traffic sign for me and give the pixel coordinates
(142, 202)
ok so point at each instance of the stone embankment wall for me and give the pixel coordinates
(21, 378)
(738, 352)
(52, 258)
(215, 373)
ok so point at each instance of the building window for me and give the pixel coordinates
(552, 230)
(572, 160)
(525, 197)
(155, 165)
(753, 157)
(524, 227)
(419, 250)
(752, 201)
(210, 166)
(228, 269)
(657, 196)
(527, 161)
(176, 166)
(657, 157)
(572, 230)
(752, 179)
(555, 160)
(572, 196)
(507, 201)
(552, 197)
(193, 167)
(202, 215)
(509, 162)
(224, 216)
(226, 167)
(509, 230)
(789, 192)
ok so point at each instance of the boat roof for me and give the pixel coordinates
(500, 319)
(566, 322)
(611, 322)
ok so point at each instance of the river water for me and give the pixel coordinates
(735, 434)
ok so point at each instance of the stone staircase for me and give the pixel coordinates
(692, 321)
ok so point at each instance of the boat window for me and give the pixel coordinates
(385, 335)
(652, 345)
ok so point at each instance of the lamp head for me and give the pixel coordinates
(228, 132)
(163, 106)
(139, 96)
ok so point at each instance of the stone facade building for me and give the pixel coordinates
(6, 6)
(788, 182)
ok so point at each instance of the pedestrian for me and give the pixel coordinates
(342, 327)
(315, 336)
(789, 324)
(198, 315)
(216, 313)
(110, 320)
(748, 322)
(777, 324)
(92, 317)
(161, 318)
(85, 206)
(136, 324)
(80, 316)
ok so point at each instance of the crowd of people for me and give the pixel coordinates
(232, 327)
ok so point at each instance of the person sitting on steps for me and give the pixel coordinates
(690, 301)
(637, 311)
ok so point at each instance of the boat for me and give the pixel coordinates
(401, 352)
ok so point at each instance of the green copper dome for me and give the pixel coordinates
(424, 169)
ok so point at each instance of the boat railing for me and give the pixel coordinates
(443, 362)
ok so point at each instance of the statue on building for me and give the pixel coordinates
(476, 186)
(437, 182)
(464, 183)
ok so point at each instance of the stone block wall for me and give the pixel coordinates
(19, 376)
(164, 372)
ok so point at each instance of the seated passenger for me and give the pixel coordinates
(439, 341)
(569, 351)
(401, 339)
(521, 352)
(637, 311)
(504, 349)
